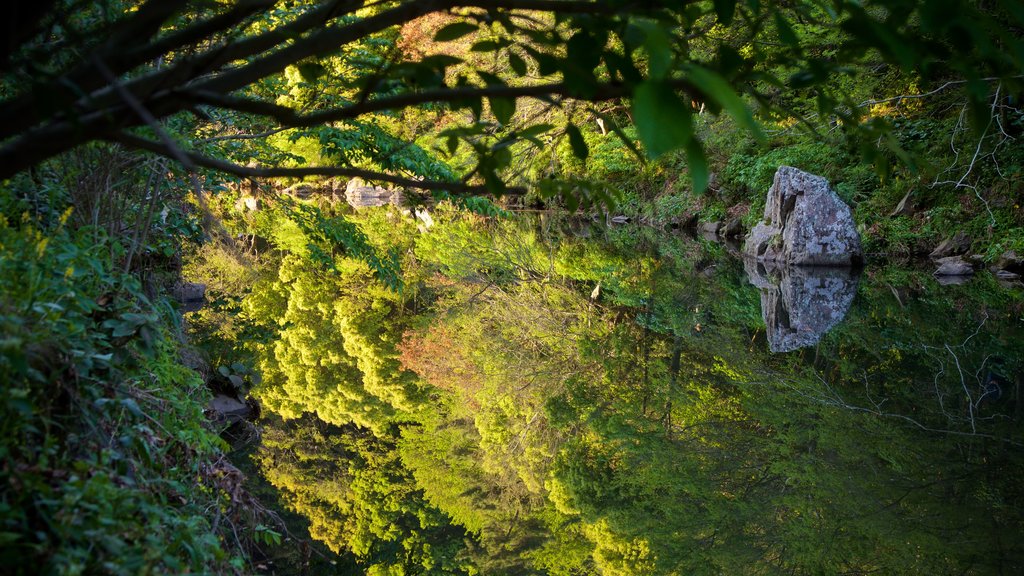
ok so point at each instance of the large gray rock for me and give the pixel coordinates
(732, 228)
(800, 304)
(805, 223)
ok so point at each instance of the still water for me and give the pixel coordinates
(545, 396)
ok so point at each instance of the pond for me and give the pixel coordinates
(548, 396)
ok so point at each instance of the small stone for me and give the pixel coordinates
(1010, 261)
(229, 409)
(1007, 275)
(710, 227)
(959, 243)
(953, 266)
(905, 207)
(190, 292)
(732, 228)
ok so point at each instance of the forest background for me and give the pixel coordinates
(138, 137)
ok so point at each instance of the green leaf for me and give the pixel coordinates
(454, 31)
(132, 407)
(490, 79)
(503, 109)
(725, 10)
(716, 87)
(488, 45)
(658, 46)
(517, 64)
(579, 145)
(786, 33)
(535, 130)
(697, 163)
(663, 122)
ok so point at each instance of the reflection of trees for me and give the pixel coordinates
(333, 353)
(359, 498)
(648, 431)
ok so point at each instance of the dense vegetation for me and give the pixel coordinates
(440, 395)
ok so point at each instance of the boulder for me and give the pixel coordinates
(800, 304)
(957, 244)
(954, 266)
(952, 280)
(805, 223)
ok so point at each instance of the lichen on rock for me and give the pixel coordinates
(805, 223)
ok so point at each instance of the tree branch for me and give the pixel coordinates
(277, 172)
(291, 118)
(104, 113)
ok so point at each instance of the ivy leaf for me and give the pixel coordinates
(454, 31)
(663, 122)
(489, 45)
(490, 79)
(535, 130)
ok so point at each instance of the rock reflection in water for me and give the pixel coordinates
(371, 196)
(800, 304)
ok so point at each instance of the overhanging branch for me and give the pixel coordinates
(292, 118)
(195, 159)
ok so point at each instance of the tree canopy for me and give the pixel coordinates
(205, 83)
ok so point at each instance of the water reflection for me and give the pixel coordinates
(501, 416)
(800, 304)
